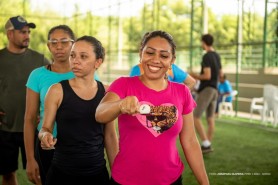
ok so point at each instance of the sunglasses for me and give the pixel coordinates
(64, 42)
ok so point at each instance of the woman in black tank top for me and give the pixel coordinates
(79, 155)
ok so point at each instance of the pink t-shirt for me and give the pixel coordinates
(148, 153)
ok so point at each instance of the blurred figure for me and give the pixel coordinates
(60, 40)
(207, 92)
(224, 88)
(194, 91)
(16, 63)
(79, 146)
(152, 113)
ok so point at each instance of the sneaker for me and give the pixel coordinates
(206, 150)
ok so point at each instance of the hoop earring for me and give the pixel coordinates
(166, 76)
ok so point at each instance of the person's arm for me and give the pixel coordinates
(111, 142)
(205, 76)
(111, 106)
(110, 139)
(189, 82)
(230, 88)
(181, 76)
(191, 149)
(52, 102)
(226, 88)
(30, 124)
(221, 73)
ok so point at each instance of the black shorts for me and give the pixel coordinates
(10, 143)
(56, 176)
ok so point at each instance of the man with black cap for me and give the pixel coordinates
(16, 63)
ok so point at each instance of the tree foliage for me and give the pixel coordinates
(172, 16)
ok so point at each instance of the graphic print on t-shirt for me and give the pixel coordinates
(159, 119)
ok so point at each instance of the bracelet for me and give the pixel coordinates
(43, 135)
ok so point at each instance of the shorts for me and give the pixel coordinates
(10, 143)
(206, 101)
(56, 176)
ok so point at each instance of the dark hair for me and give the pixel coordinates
(98, 48)
(65, 28)
(158, 33)
(207, 39)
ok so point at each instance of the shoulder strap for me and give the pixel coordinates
(101, 88)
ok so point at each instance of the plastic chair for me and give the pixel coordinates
(227, 107)
(275, 121)
(257, 105)
(269, 94)
(267, 105)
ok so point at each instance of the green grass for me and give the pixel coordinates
(244, 153)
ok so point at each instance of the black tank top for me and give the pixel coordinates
(80, 141)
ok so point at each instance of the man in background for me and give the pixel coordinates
(16, 63)
(207, 92)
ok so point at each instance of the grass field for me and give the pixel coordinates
(244, 154)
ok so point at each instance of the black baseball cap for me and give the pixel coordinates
(17, 23)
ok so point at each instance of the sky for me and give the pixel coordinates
(132, 7)
(98, 7)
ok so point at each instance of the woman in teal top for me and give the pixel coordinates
(39, 81)
(60, 41)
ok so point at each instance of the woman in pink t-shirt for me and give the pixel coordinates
(152, 113)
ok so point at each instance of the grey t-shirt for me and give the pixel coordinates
(14, 72)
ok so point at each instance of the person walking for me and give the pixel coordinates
(81, 140)
(60, 40)
(207, 93)
(16, 63)
(152, 113)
